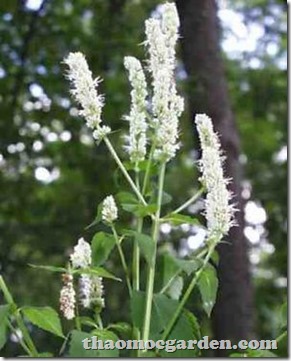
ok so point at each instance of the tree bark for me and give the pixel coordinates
(233, 313)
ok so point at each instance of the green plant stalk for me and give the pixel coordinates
(188, 292)
(77, 319)
(136, 259)
(151, 267)
(149, 163)
(189, 201)
(124, 171)
(99, 320)
(136, 250)
(26, 336)
(122, 258)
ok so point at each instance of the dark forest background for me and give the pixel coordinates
(52, 175)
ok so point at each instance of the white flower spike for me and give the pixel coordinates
(67, 297)
(137, 118)
(81, 257)
(91, 291)
(109, 210)
(167, 105)
(219, 212)
(85, 92)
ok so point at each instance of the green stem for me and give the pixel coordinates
(188, 292)
(124, 171)
(99, 321)
(122, 258)
(189, 201)
(136, 259)
(147, 173)
(18, 318)
(136, 250)
(151, 267)
(77, 319)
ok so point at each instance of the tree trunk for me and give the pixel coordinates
(233, 313)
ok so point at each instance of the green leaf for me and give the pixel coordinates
(284, 315)
(146, 245)
(172, 267)
(98, 217)
(163, 310)
(131, 204)
(87, 321)
(124, 329)
(126, 198)
(177, 219)
(166, 198)
(4, 313)
(208, 285)
(139, 209)
(137, 308)
(76, 348)
(45, 354)
(215, 257)
(256, 353)
(45, 318)
(102, 245)
(97, 271)
(106, 336)
(194, 324)
(49, 268)
(174, 291)
(188, 266)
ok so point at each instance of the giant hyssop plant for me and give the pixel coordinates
(157, 312)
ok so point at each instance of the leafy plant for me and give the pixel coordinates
(158, 312)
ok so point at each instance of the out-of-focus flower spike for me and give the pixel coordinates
(219, 211)
(109, 210)
(68, 297)
(84, 90)
(137, 117)
(81, 257)
(167, 105)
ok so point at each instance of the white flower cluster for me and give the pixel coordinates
(81, 257)
(85, 93)
(91, 291)
(219, 213)
(137, 118)
(167, 105)
(109, 210)
(67, 297)
(90, 287)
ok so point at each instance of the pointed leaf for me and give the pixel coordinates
(175, 288)
(137, 306)
(102, 245)
(146, 245)
(45, 318)
(76, 348)
(284, 314)
(177, 219)
(208, 285)
(97, 271)
(124, 329)
(4, 313)
(49, 268)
